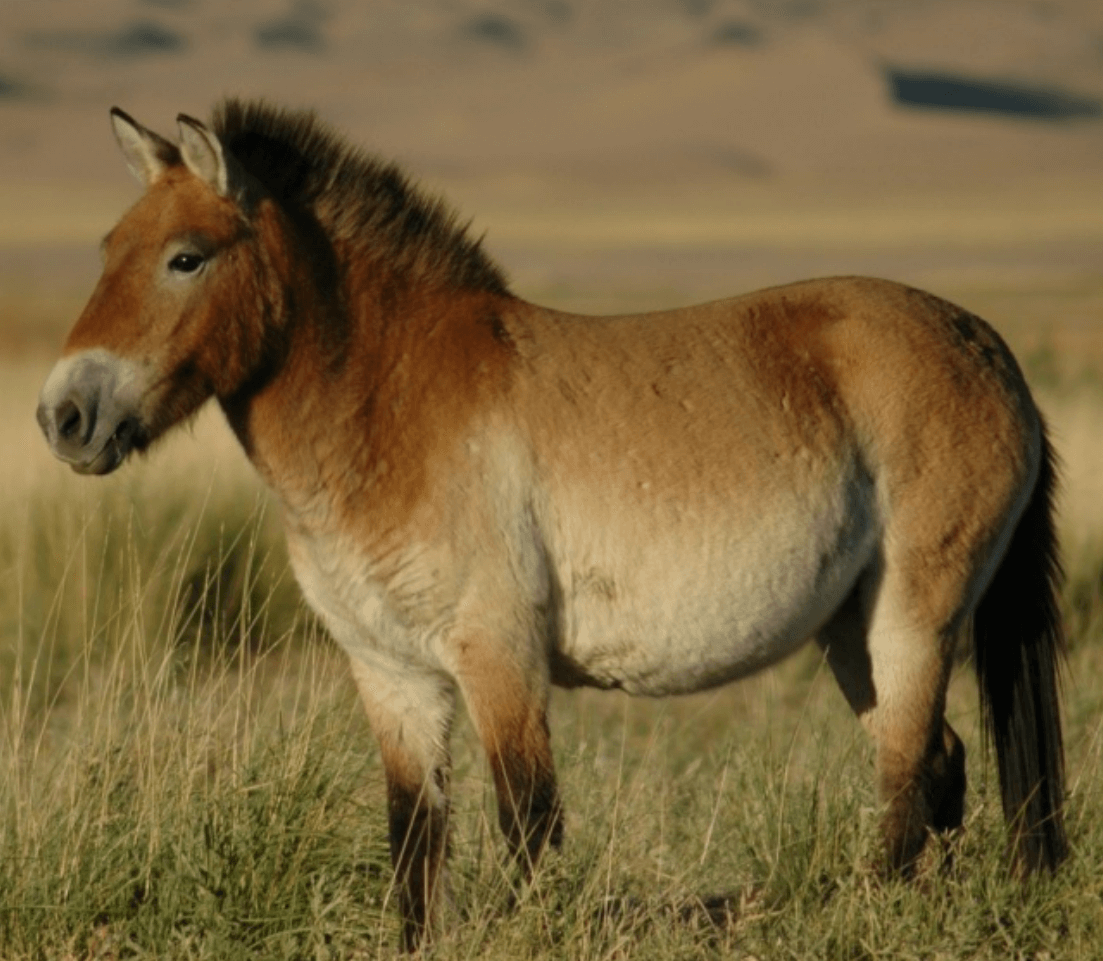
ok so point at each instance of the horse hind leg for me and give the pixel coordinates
(946, 782)
(894, 673)
(920, 758)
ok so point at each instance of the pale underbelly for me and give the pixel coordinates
(657, 627)
(656, 657)
(649, 608)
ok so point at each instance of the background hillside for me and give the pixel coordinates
(604, 140)
(653, 88)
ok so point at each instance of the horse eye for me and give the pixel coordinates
(186, 263)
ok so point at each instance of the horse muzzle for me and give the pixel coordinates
(87, 411)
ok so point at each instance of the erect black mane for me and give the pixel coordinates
(356, 198)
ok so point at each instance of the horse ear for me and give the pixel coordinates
(147, 155)
(203, 154)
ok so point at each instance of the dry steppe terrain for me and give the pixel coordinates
(184, 771)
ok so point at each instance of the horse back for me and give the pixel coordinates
(773, 388)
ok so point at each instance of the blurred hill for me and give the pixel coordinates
(519, 102)
(926, 90)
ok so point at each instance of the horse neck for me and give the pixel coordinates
(352, 353)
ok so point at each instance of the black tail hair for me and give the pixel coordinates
(1019, 646)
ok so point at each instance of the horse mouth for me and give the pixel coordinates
(127, 436)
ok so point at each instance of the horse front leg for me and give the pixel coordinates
(411, 716)
(507, 699)
(529, 810)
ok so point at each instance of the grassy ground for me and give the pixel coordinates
(185, 773)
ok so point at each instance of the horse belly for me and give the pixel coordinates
(677, 611)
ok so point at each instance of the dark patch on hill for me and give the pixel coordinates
(143, 38)
(301, 29)
(952, 92)
(138, 39)
(11, 89)
(736, 33)
(494, 29)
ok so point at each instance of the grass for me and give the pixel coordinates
(185, 771)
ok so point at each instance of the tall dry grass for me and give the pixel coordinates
(185, 772)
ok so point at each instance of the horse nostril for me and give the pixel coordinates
(126, 432)
(69, 420)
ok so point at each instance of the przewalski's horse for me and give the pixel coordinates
(484, 497)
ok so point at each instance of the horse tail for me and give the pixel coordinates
(1019, 647)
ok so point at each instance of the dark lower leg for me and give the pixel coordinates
(419, 840)
(530, 816)
(509, 709)
(923, 794)
(904, 823)
(529, 809)
(946, 783)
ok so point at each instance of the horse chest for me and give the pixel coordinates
(371, 608)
